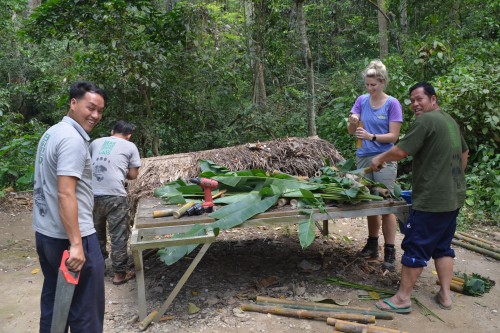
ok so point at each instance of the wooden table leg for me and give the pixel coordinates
(325, 227)
(181, 282)
(139, 278)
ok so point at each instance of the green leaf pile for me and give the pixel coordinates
(251, 192)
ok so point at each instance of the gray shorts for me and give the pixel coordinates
(387, 175)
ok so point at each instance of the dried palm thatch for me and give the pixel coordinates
(294, 156)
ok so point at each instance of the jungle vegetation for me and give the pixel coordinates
(195, 75)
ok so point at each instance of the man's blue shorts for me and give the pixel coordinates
(428, 235)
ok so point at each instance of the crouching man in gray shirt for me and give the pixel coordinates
(62, 212)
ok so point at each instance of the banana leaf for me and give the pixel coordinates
(209, 166)
(246, 211)
(171, 255)
(230, 198)
(306, 231)
(250, 198)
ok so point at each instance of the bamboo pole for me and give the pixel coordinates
(308, 314)
(262, 300)
(359, 142)
(454, 286)
(476, 249)
(478, 242)
(477, 238)
(283, 202)
(145, 323)
(163, 213)
(349, 327)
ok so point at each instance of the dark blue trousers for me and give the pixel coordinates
(86, 314)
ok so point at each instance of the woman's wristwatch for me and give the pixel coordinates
(374, 138)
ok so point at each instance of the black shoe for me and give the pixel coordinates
(370, 250)
(389, 258)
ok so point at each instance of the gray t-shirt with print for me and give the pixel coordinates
(111, 159)
(62, 151)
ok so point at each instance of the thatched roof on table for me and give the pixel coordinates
(294, 156)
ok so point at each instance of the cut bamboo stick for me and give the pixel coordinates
(476, 249)
(349, 327)
(359, 142)
(308, 314)
(145, 323)
(478, 242)
(219, 194)
(283, 202)
(163, 213)
(262, 300)
(458, 279)
(454, 286)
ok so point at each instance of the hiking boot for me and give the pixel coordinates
(370, 251)
(389, 258)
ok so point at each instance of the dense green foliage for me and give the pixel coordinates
(183, 72)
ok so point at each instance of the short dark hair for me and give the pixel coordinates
(428, 88)
(123, 127)
(80, 88)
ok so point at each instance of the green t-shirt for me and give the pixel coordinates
(435, 142)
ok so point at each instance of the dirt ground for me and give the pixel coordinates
(243, 264)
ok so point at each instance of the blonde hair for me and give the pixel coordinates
(376, 69)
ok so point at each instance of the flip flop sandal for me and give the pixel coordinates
(441, 305)
(393, 308)
(128, 276)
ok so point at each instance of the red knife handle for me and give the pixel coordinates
(69, 276)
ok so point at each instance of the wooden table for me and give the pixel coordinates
(151, 233)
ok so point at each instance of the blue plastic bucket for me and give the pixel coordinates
(406, 195)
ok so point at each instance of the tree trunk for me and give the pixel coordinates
(255, 52)
(403, 18)
(382, 30)
(311, 112)
(32, 4)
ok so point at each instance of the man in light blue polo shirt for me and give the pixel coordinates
(62, 212)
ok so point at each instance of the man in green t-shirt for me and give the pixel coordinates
(438, 191)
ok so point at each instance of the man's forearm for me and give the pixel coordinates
(465, 158)
(393, 155)
(68, 212)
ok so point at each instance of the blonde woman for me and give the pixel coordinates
(381, 116)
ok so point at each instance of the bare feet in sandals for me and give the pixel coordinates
(443, 305)
(121, 278)
(394, 304)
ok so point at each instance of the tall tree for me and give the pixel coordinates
(382, 30)
(255, 26)
(311, 109)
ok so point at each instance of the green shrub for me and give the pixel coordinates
(483, 188)
(17, 151)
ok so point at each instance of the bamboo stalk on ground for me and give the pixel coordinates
(262, 300)
(454, 286)
(349, 327)
(476, 241)
(476, 249)
(308, 314)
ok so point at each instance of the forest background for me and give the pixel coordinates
(197, 75)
